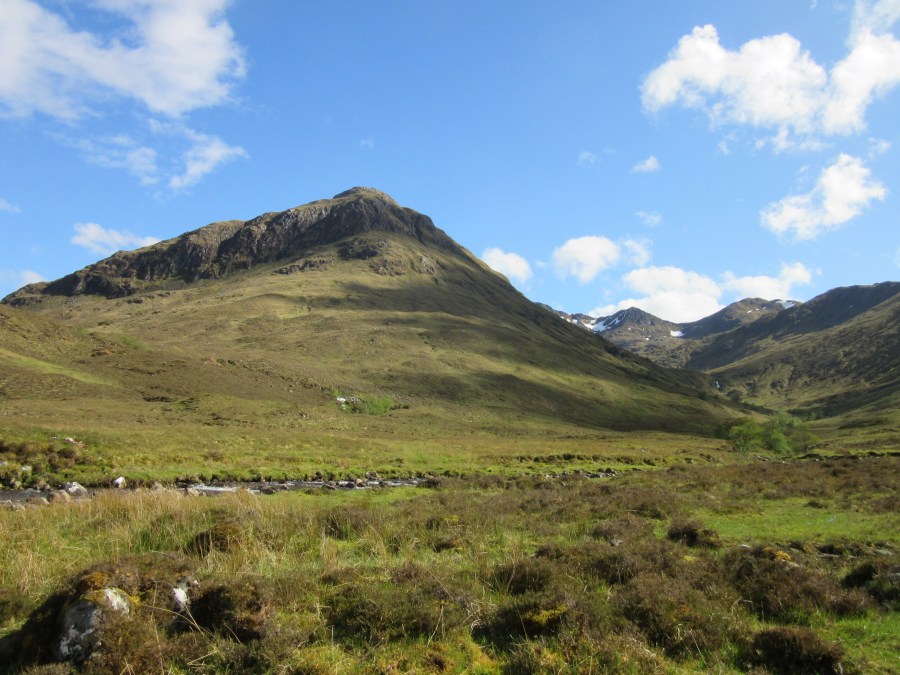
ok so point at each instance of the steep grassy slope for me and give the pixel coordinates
(213, 358)
(839, 351)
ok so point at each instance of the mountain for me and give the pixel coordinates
(832, 355)
(666, 342)
(259, 326)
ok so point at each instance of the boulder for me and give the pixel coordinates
(78, 637)
(76, 490)
(59, 496)
(120, 483)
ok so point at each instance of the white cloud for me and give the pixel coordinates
(29, 277)
(649, 165)
(878, 146)
(637, 253)
(367, 144)
(15, 279)
(769, 288)
(176, 56)
(670, 293)
(771, 82)
(585, 257)
(512, 265)
(587, 158)
(121, 152)
(841, 193)
(8, 206)
(872, 68)
(205, 154)
(98, 239)
(649, 218)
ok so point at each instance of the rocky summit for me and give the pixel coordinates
(220, 248)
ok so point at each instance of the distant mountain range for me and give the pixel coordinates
(836, 352)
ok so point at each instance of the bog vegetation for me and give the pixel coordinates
(760, 566)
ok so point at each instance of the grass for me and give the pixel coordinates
(490, 573)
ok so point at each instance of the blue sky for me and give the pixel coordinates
(675, 156)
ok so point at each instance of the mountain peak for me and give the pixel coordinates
(366, 192)
(219, 249)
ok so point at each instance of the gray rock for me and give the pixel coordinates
(76, 490)
(120, 483)
(78, 637)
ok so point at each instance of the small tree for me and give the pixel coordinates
(746, 436)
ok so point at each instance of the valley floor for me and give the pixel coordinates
(722, 566)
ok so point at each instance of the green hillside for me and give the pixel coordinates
(242, 362)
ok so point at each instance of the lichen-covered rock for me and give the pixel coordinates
(78, 637)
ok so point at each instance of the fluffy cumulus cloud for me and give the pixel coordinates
(772, 82)
(843, 190)
(766, 287)
(636, 252)
(8, 206)
(176, 56)
(512, 265)
(99, 239)
(585, 257)
(649, 165)
(670, 293)
(680, 295)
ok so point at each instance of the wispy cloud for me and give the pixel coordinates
(773, 83)
(367, 144)
(204, 156)
(121, 152)
(586, 158)
(511, 265)
(18, 278)
(178, 56)
(649, 165)
(99, 239)
(841, 193)
(9, 206)
(649, 218)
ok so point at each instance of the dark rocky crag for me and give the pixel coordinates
(220, 248)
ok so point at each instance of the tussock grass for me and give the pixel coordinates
(487, 573)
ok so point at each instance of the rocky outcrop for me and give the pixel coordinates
(221, 248)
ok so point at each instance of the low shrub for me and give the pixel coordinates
(795, 650)
(224, 537)
(623, 528)
(524, 575)
(238, 609)
(674, 615)
(780, 590)
(374, 612)
(529, 615)
(692, 533)
(880, 579)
